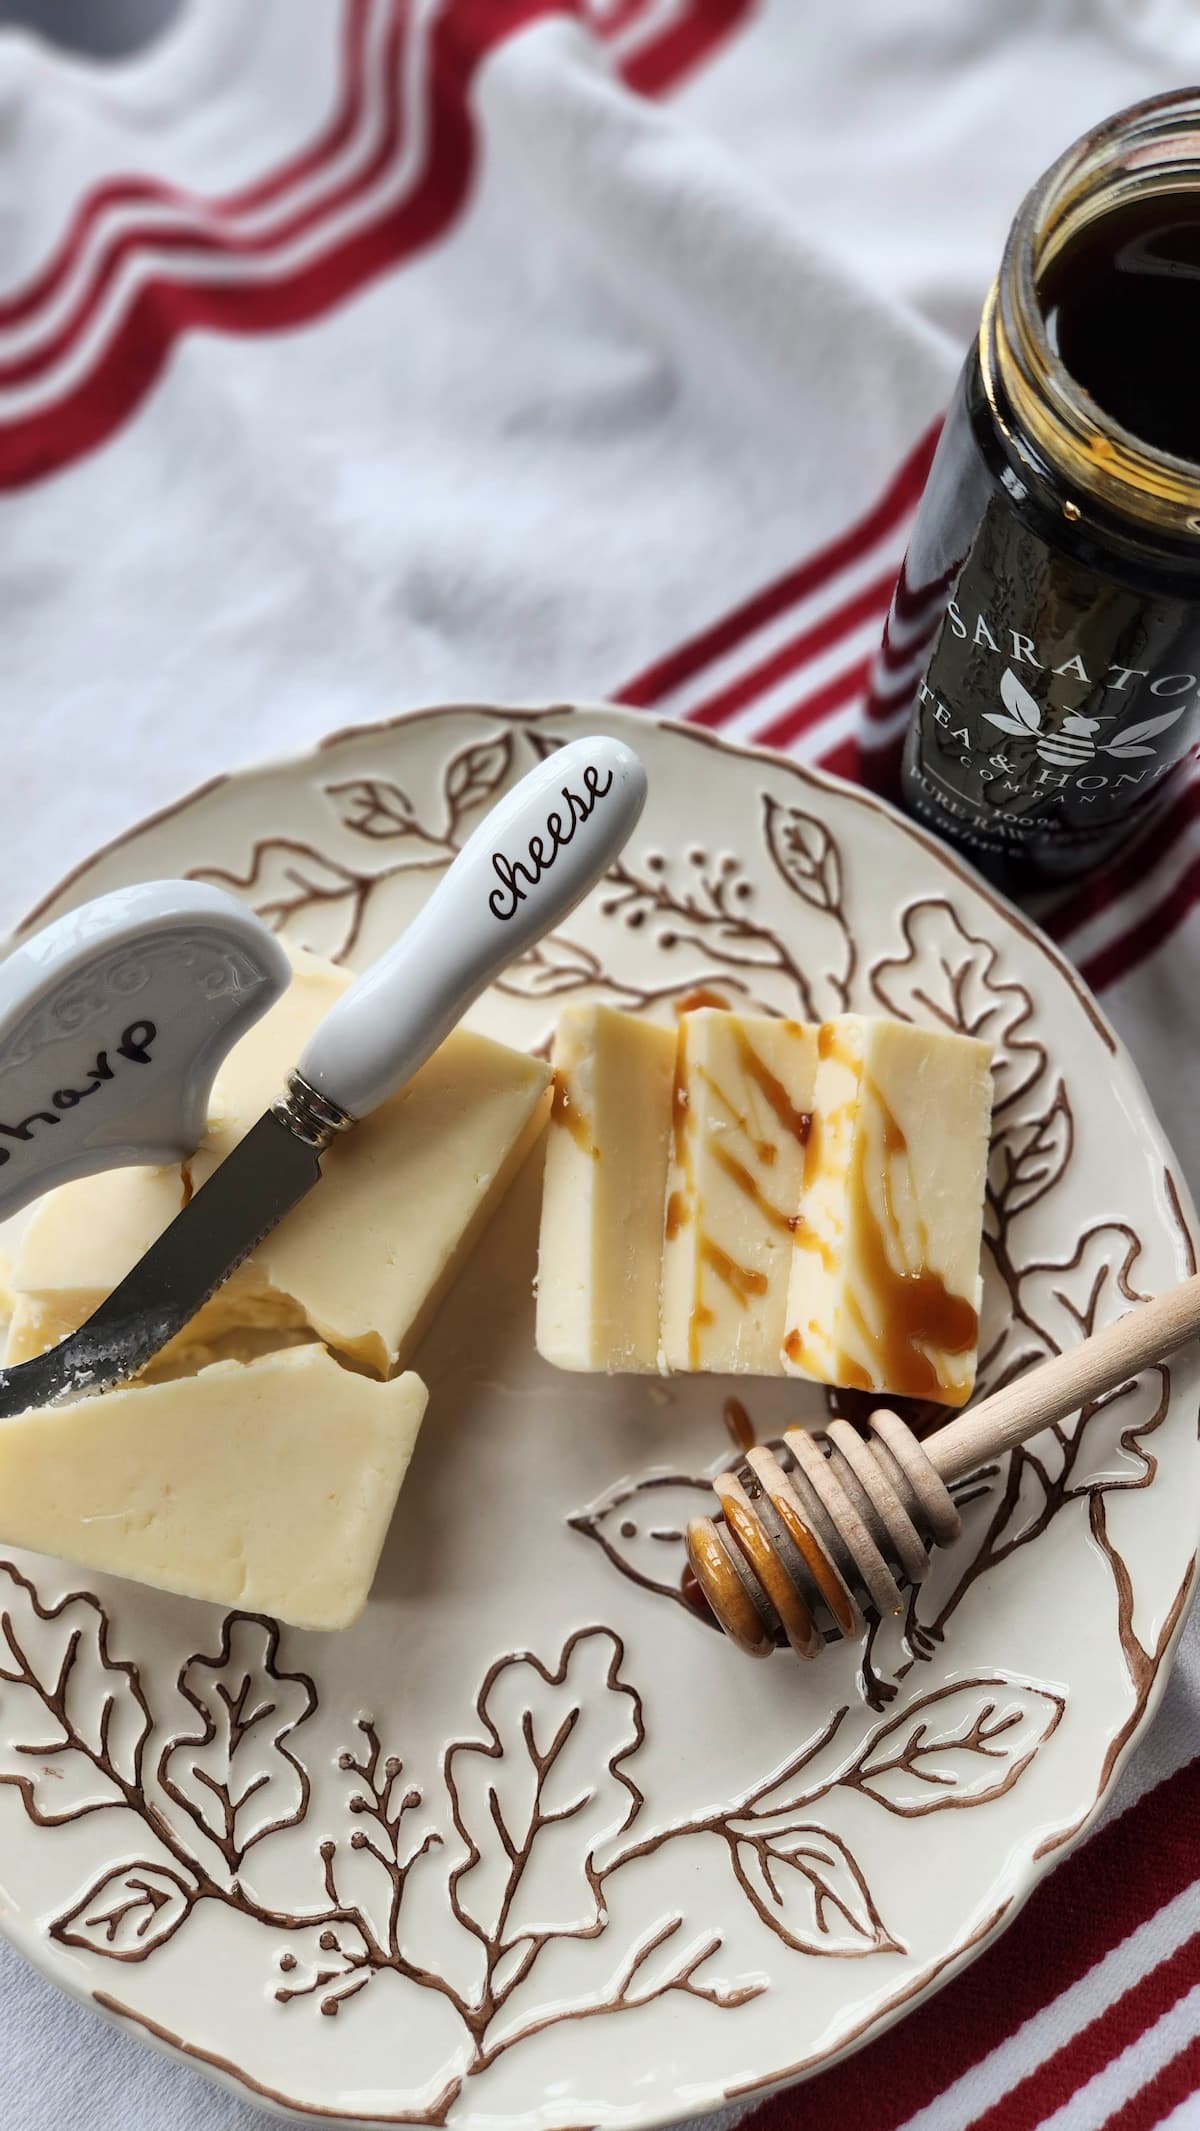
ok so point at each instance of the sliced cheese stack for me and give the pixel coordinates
(743, 1101)
(268, 1485)
(797, 1200)
(885, 1279)
(364, 1260)
(606, 1178)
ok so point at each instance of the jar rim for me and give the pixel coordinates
(1149, 149)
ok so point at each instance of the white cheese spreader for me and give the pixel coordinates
(114, 1019)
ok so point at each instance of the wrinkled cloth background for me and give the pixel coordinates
(631, 401)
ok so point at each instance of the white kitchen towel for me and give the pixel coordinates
(356, 354)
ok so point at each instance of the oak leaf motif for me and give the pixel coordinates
(234, 1773)
(536, 1797)
(78, 1713)
(950, 977)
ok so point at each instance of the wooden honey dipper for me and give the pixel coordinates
(814, 1528)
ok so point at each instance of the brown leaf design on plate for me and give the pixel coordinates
(543, 744)
(295, 888)
(1029, 1157)
(959, 1746)
(374, 807)
(234, 1775)
(127, 1912)
(536, 1796)
(948, 976)
(79, 1712)
(1070, 1298)
(641, 1524)
(475, 774)
(804, 853)
(809, 1888)
(553, 967)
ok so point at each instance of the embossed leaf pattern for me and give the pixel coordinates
(555, 966)
(1029, 1157)
(536, 1796)
(374, 807)
(1069, 1298)
(296, 888)
(641, 1528)
(475, 774)
(127, 1912)
(959, 1746)
(543, 744)
(79, 1714)
(804, 852)
(950, 977)
(808, 1887)
(234, 1772)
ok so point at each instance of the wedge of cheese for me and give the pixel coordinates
(365, 1259)
(602, 1205)
(268, 1485)
(744, 1090)
(885, 1288)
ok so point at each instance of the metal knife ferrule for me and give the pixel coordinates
(309, 1114)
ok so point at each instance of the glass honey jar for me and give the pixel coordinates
(1049, 605)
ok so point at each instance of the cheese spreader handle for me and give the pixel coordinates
(532, 858)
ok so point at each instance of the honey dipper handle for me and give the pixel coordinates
(1108, 1359)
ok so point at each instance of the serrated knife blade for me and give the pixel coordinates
(269, 1171)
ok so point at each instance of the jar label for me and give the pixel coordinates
(1055, 701)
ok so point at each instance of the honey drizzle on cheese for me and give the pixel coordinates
(797, 1122)
(915, 1311)
(565, 1112)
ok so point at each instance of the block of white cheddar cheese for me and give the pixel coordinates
(366, 1257)
(743, 1101)
(268, 1485)
(605, 1179)
(885, 1284)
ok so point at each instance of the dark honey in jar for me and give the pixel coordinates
(1049, 606)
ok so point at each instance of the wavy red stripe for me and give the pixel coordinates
(798, 651)
(1145, 937)
(666, 58)
(167, 306)
(124, 192)
(656, 681)
(1134, 866)
(834, 695)
(1121, 2024)
(211, 242)
(1176, 2083)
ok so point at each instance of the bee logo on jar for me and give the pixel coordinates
(1070, 745)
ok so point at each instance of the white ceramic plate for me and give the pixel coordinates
(532, 1845)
